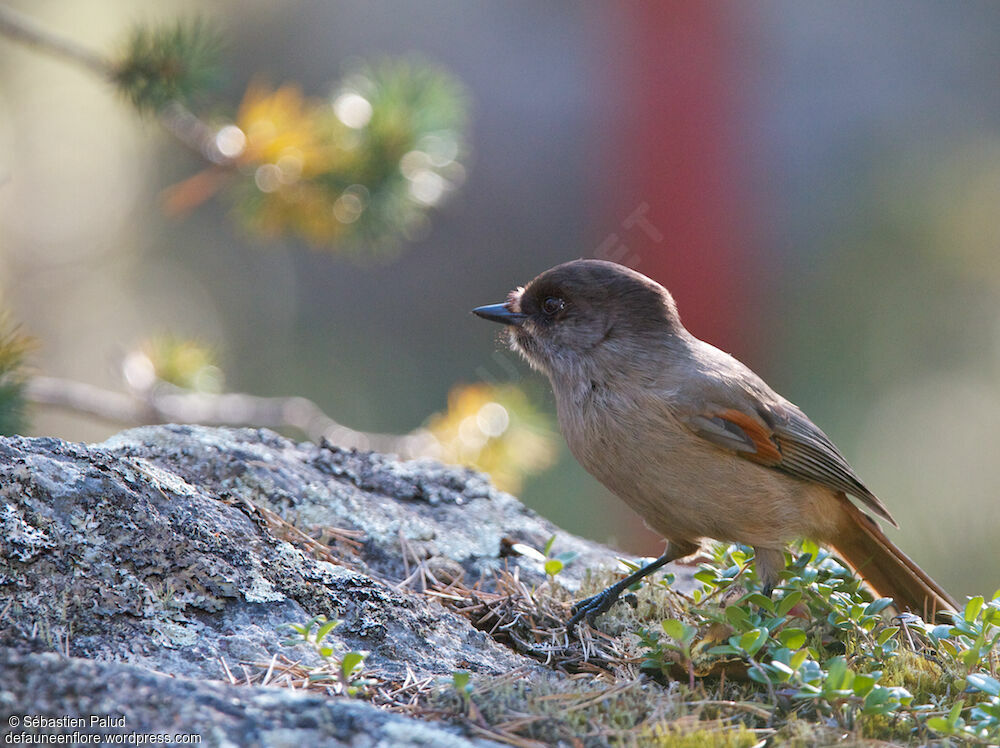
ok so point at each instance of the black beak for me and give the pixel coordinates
(500, 313)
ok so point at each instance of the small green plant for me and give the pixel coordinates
(461, 681)
(822, 648)
(345, 671)
(555, 564)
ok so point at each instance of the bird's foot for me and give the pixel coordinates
(593, 606)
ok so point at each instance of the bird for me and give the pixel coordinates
(690, 438)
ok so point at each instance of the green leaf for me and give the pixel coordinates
(798, 658)
(984, 683)
(877, 606)
(956, 712)
(838, 676)
(566, 557)
(325, 629)
(970, 657)
(940, 631)
(738, 617)
(630, 565)
(879, 701)
(761, 601)
(674, 629)
(940, 724)
(723, 649)
(864, 683)
(351, 661)
(810, 548)
(553, 566)
(902, 695)
(548, 545)
(753, 640)
(788, 602)
(886, 634)
(792, 638)
(991, 615)
(973, 607)
(460, 680)
(782, 667)
(707, 576)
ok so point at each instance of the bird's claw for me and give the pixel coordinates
(591, 607)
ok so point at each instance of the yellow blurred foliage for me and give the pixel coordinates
(291, 143)
(496, 429)
(182, 362)
(284, 128)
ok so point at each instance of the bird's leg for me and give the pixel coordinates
(769, 563)
(593, 606)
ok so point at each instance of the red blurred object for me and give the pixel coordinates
(678, 171)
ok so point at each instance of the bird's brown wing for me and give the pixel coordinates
(783, 438)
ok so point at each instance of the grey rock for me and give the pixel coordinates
(150, 564)
(139, 700)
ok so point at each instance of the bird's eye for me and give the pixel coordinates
(553, 305)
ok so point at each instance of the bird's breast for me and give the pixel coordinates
(681, 485)
(629, 444)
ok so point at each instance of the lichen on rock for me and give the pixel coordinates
(183, 551)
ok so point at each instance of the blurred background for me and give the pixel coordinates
(818, 185)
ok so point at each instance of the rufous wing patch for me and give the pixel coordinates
(767, 452)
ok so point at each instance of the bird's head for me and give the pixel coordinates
(585, 314)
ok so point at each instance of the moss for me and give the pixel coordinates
(800, 733)
(882, 727)
(921, 676)
(555, 709)
(713, 735)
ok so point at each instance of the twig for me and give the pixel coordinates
(183, 124)
(164, 404)
(20, 28)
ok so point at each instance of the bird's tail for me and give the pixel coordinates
(887, 569)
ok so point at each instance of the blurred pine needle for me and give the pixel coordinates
(172, 62)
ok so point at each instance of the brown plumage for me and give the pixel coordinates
(689, 437)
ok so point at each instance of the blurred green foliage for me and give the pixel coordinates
(174, 62)
(14, 348)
